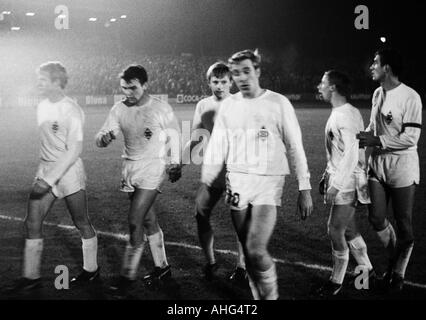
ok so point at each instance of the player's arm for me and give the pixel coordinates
(411, 127)
(197, 124)
(292, 138)
(172, 137)
(110, 129)
(74, 146)
(217, 150)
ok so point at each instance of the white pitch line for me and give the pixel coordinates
(124, 237)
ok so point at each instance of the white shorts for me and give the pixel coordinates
(142, 174)
(71, 182)
(243, 189)
(354, 191)
(395, 170)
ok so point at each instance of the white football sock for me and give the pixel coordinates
(32, 258)
(267, 283)
(90, 254)
(132, 256)
(403, 259)
(358, 249)
(158, 251)
(340, 264)
(253, 287)
(387, 237)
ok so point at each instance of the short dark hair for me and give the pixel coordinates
(392, 58)
(134, 71)
(254, 56)
(341, 81)
(219, 70)
(56, 71)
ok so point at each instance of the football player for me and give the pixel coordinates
(344, 183)
(60, 175)
(149, 126)
(394, 172)
(253, 132)
(220, 82)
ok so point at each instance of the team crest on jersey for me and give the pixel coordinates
(148, 133)
(389, 118)
(263, 133)
(55, 127)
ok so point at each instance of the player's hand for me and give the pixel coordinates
(174, 171)
(331, 195)
(40, 188)
(368, 139)
(105, 139)
(304, 204)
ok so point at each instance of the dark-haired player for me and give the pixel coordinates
(394, 172)
(148, 126)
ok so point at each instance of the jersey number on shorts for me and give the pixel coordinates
(232, 198)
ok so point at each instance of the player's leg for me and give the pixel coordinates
(37, 211)
(402, 203)
(339, 219)
(77, 206)
(377, 212)
(357, 245)
(155, 238)
(205, 201)
(259, 262)
(241, 220)
(239, 274)
(141, 202)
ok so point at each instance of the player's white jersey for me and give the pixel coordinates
(254, 136)
(205, 113)
(344, 157)
(145, 129)
(396, 117)
(60, 125)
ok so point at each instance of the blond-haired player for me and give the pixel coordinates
(254, 131)
(220, 82)
(149, 126)
(60, 175)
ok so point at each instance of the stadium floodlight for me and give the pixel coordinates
(383, 39)
(123, 16)
(113, 19)
(30, 14)
(6, 12)
(15, 28)
(93, 19)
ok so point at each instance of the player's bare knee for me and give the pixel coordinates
(202, 210)
(378, 223)
(151, 226)
(32, 224)
(335, 231)
(134, 228)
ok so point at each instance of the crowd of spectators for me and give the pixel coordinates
(94, 65)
